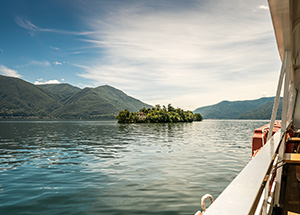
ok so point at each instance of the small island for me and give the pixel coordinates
(158, 114)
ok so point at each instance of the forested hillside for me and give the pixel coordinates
(21, 99)
(248, 109)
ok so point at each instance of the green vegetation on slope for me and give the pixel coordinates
(248, 109)
(60, 91)
(263, 111)
(96, 103)
(158, 114)
(20, 99)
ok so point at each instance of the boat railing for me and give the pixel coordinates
(253, 190)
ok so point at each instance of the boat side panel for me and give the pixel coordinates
(242, 192)
(297, 113)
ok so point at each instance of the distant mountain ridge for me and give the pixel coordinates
(21, 99)
(60, 91)
(247, 109)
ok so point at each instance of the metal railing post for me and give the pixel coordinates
(279, 171)
(277, 98)
(286, 93)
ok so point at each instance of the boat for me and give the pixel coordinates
(270, 182)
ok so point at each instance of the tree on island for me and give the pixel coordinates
(198, 117)
(158, 114)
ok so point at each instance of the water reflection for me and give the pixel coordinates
(110, 168)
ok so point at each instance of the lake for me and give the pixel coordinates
(102, 167)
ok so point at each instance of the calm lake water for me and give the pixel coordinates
(103, 167)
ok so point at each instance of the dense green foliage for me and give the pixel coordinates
(158, 114)
(263, 111)
(248, 109)
(20, 99)
(100, 102)
(60, 91)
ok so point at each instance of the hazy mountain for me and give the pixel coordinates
(20, 99)
(263, 111)
(248, 109)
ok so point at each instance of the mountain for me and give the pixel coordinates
(247, 109)
(60, 91)
(98, 102)
(263, 111)
(20, 99)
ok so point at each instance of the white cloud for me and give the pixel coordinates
(57, 63)
(28, 25)
(55, 48)
(43, 63)
(188, 56)
(25, 23)
(40, 63)
(261, 7)
(9, 72)
(40, 82)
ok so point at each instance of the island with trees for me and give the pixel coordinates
(158, 114)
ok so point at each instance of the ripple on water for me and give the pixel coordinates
(108, 168)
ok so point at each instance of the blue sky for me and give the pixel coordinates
(189, 53)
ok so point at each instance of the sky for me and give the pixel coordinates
(190, 53)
